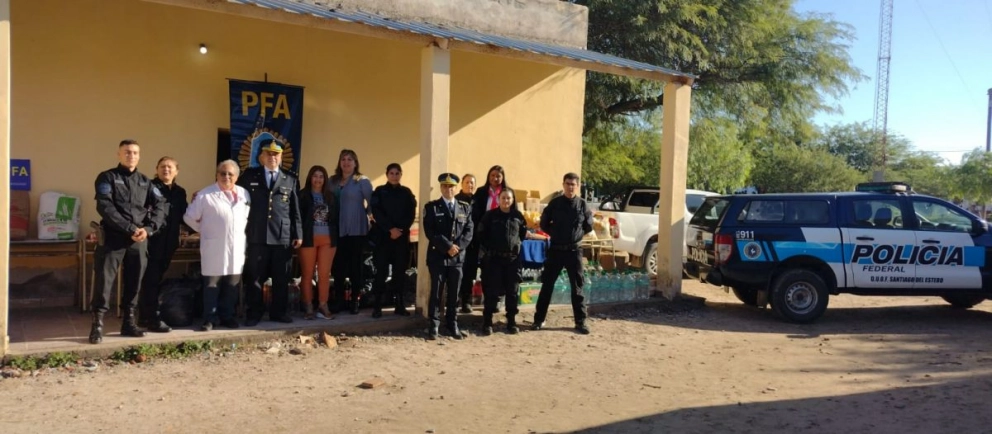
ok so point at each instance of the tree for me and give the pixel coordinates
(718, 160)
(856, 143)
(758, 62)
(791, 168)
(927, 173)
(974, 177)
(621, 154)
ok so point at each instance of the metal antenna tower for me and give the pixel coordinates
(880, 127)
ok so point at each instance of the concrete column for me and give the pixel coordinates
(4, 173)
(671, 202)
(435, 104)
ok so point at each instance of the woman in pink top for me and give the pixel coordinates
(485, 198)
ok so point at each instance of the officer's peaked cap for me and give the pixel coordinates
(448, 178)
(272, 145)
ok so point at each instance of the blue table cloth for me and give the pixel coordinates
(534, 253)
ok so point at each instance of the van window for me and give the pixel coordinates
(710, 212)
(693, 201)
(804, 212)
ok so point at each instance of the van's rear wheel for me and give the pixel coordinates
(746, 296)
(963, 301)
(799, 296)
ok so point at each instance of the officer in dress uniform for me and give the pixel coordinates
(567, 219)
(447, 223)
(274, 230)
(131, 209)
(500, 235)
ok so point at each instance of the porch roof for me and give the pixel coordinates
(470, 40)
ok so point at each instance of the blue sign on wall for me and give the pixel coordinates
(20, 175)
(266, 111)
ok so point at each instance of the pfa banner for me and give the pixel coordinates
(261, 111)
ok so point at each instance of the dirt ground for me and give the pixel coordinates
(882, 364)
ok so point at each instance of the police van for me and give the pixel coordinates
(793, 251)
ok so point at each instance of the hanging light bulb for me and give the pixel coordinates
(203, 48)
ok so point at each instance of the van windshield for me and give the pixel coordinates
(710, 212)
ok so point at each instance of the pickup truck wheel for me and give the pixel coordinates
(651, 260)
(799, 296)
(963, 301)
(746, 296)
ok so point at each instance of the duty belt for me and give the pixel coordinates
(564, 247)
(503, 254)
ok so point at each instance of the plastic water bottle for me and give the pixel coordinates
(643, 286)
(629, 286)
(610, 284)
(562, 289)
(591, 288)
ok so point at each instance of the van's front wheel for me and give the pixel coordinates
(799, 296)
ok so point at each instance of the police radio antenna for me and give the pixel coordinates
(880, 127)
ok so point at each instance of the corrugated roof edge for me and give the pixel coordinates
(462, 35)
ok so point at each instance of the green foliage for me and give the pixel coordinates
(718, 160)
(974, 177)
(171, 351)
(24, 363)
(758, 62)
(58, 359)
(927, 173)
(52, 360)
(856, 143)
(621, 154)
(790, 168)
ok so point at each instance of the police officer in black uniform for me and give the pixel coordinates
(131, 209)
(566, 219)
(274, 230)
(447, 223)
(500, 234)
(162, 245)
(393, 208)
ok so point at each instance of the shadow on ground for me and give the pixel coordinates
(955, 406)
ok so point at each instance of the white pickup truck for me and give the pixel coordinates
(633, 223)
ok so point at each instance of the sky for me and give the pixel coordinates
(940, 72)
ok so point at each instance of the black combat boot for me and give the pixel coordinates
(96, 332)
(128, 327)
(487, 323)
(511, 325)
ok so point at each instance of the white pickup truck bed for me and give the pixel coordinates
(634, 226)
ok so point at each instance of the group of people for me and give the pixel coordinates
(250, 223)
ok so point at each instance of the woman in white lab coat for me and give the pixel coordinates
(219, 213)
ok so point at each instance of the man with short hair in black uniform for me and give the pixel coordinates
(131, 210)
(566, 219)
(447, 223)
(394, 208)
(274, 230)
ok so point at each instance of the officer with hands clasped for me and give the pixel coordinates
(131, 209)
(447, 223)
(500, 234)
(274, 230)
(567, 219)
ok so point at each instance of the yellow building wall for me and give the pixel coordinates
(526, 117)
(88, 73)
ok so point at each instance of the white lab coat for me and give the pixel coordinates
(221, 225)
